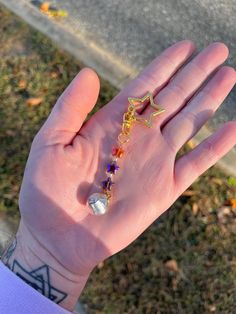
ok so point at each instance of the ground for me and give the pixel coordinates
(185, 262)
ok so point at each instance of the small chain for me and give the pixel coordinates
(128, 121)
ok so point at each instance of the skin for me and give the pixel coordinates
(68, 158)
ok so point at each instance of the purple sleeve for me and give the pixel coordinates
(18, 297)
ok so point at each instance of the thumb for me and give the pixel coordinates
(71, 108)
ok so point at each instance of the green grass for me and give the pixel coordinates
(192, 232)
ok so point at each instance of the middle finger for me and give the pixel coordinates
(187, 81)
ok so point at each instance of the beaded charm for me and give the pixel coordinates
(98, 202)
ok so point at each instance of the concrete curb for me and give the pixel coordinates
(109, 66)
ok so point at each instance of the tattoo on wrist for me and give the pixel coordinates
(38, 278)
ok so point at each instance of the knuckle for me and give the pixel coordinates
(149, 80)
(206, 95)
(209, 149)
(202, 71)
(177, 90)
(167, 59)
(190, 116)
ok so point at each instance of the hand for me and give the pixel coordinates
(68, 158)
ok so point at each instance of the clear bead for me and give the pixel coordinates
(98, 202)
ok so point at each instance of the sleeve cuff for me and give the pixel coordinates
(18, 297)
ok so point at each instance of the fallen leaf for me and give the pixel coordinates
(223, 213)
(22, 84)
(58, 13)
(53, 74)
(52, 11)
(45, 6)
(34, 101)
(100, 265)
(208, 263)
(212, 308)
(232, 202)
(195, 209)
(10, 132)
(172, 265)
(190, 193)
(217, 181)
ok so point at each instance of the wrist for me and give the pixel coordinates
(38, 268)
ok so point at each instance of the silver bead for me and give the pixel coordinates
(98, 202)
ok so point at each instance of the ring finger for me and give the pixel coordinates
(200, 109)
(187, 81)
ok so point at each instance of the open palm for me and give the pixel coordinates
(68, 157)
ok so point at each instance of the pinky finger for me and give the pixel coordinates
(191, 165)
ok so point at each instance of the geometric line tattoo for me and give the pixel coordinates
(39, 279)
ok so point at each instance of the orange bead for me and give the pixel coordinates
(117, 151)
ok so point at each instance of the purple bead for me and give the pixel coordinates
(112, 167)
(106, 185)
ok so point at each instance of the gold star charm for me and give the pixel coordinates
(134, 101)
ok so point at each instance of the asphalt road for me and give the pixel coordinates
(137, 30)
